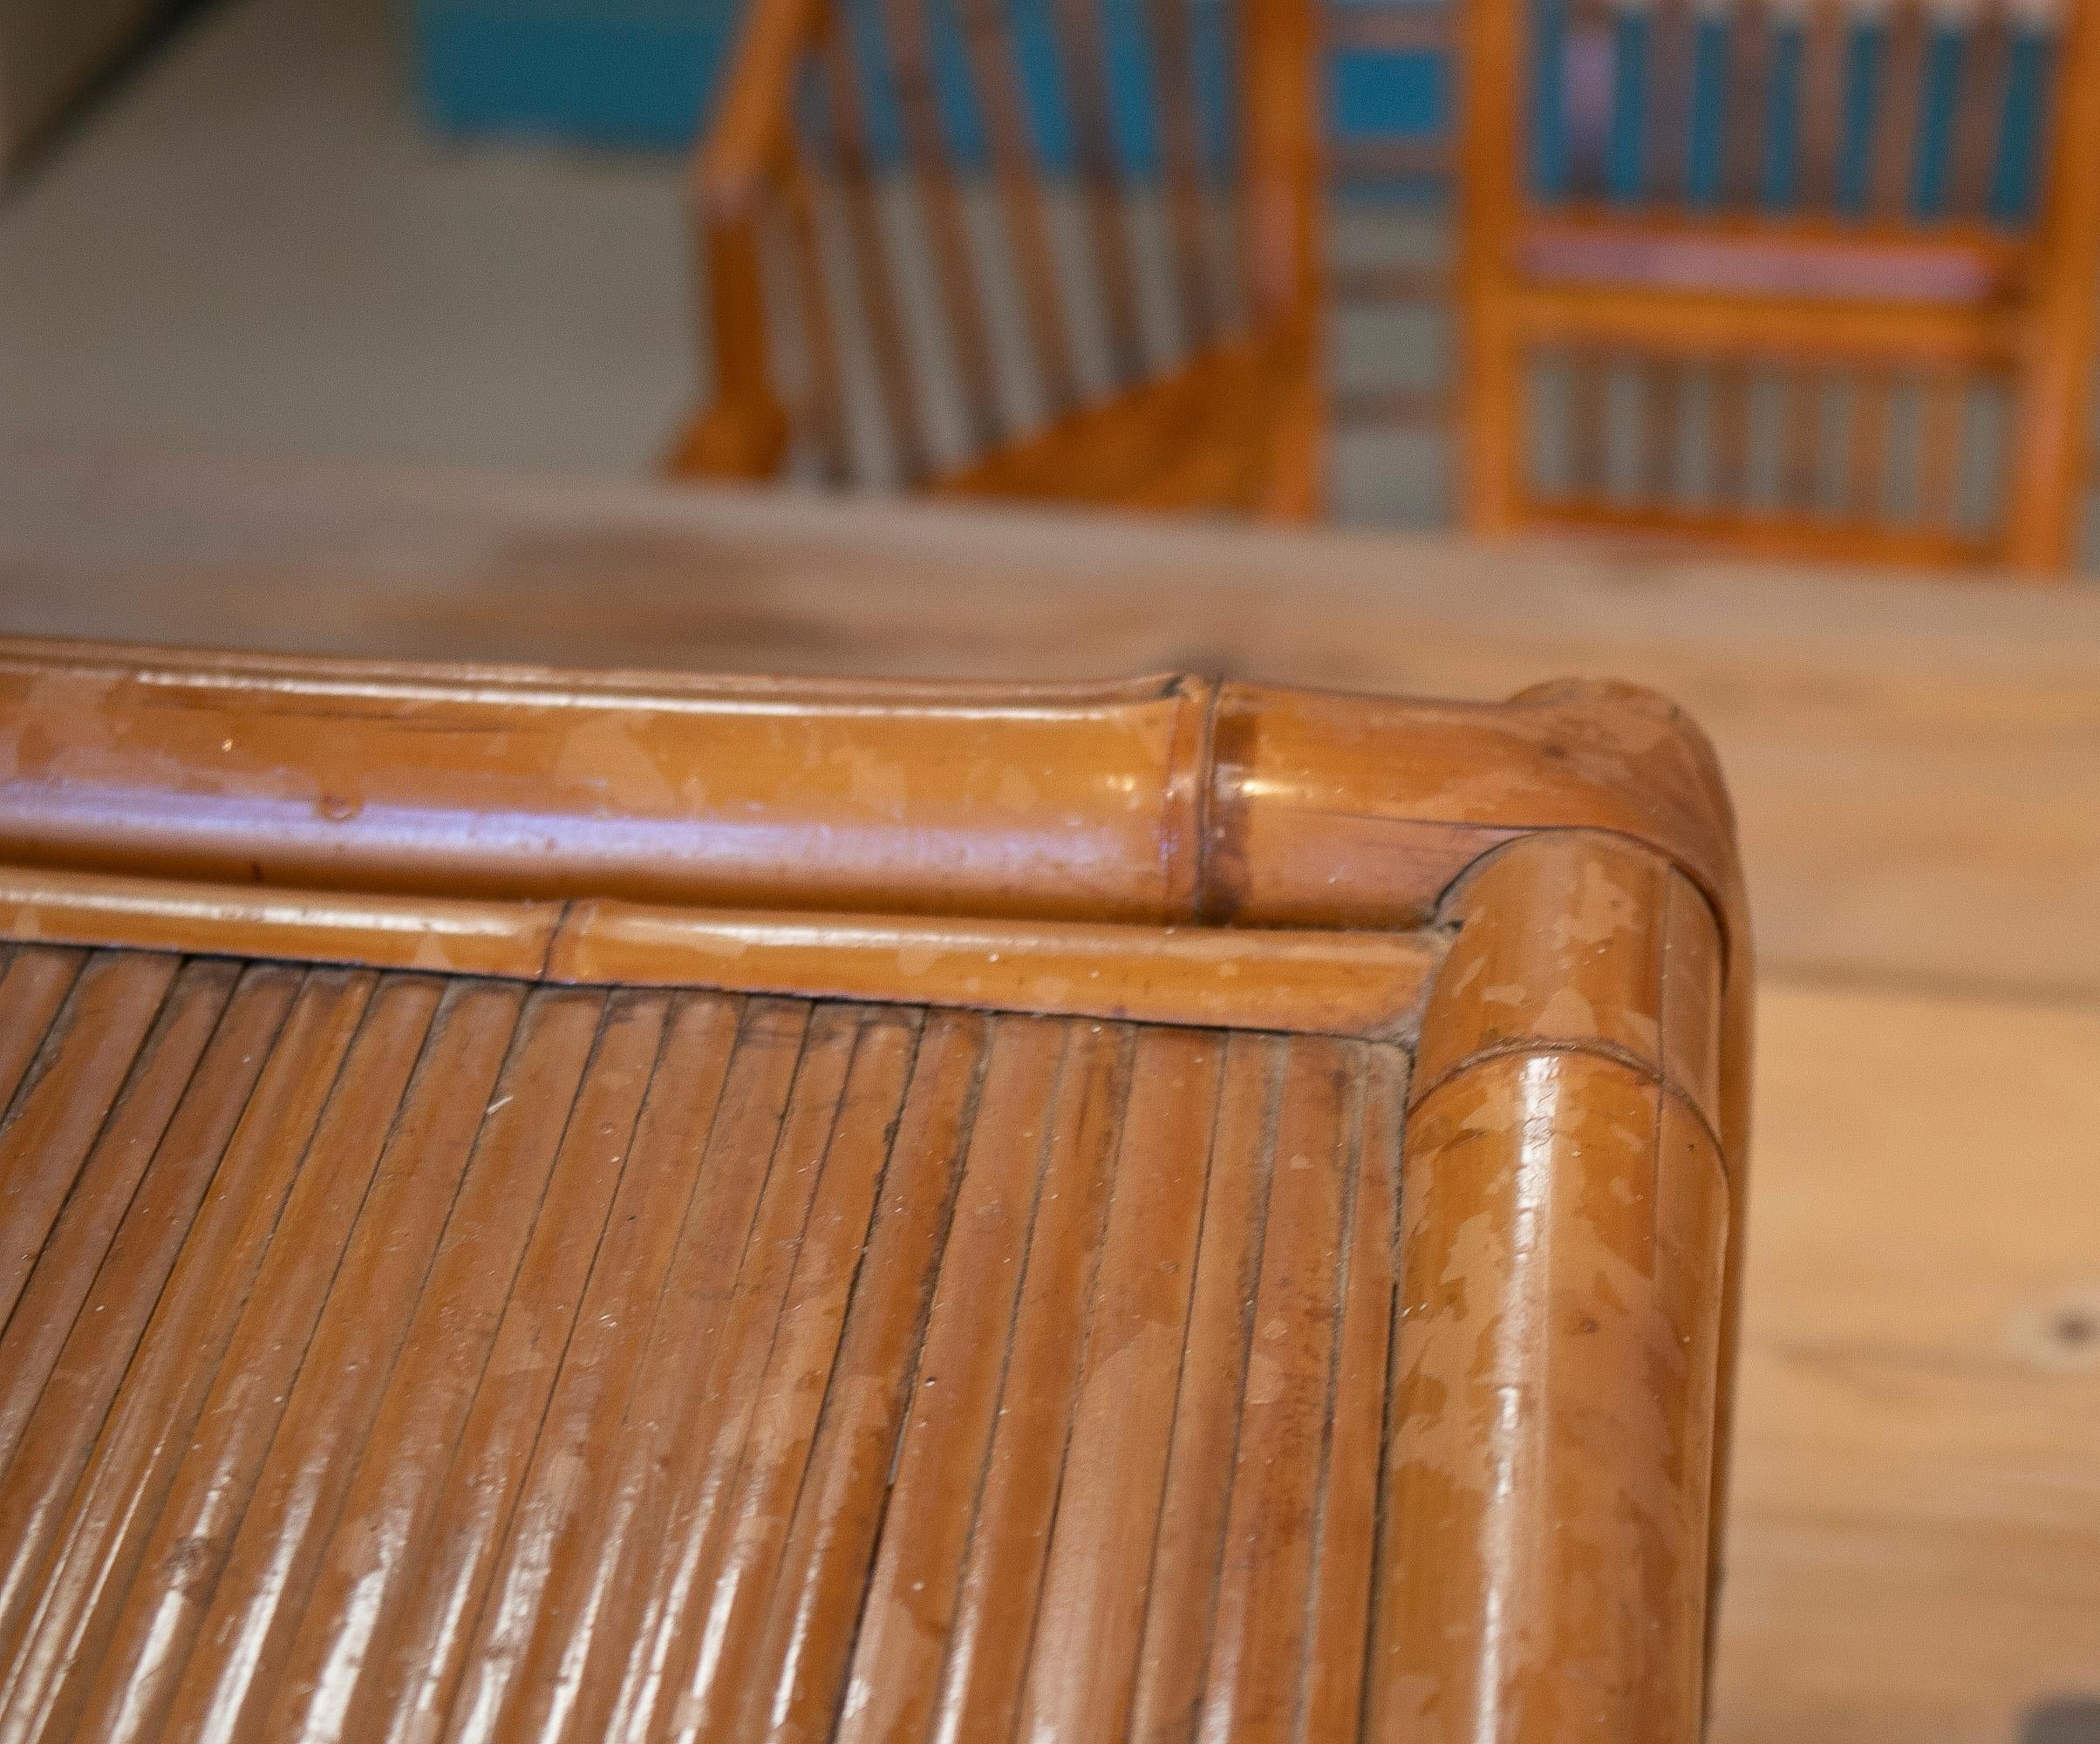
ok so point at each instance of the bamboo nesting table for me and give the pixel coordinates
(545, 1205)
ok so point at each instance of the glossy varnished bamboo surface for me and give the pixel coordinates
(1558, 1392)
(390, 1355)
(1173, 798)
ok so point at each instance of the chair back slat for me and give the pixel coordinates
(1983, 83)
(1083, 53)
(1866, 483)
(880, 310)
(1749, 60)
(1820, 128)
(1890, 184)
(1897, 112)
(824, 395)
(997, 88)
(1591, 79)
(1901, 109)
(1729, 410)
(1801, 387)
(1663, 387)
(1173, 43)
(1748, 63)
(1589, 441)
(951, 254)
(1281, 160)
(1942, 420)
(1589, 76)
(1669, 83)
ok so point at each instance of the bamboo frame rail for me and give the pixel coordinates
(1294, 981)
(1158, 800)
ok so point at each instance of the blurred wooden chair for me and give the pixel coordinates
(1759, 275)
(840, 182)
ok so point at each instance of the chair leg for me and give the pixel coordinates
(2046, 454)
(1491, 423)
(2046, 459)
(731, 442)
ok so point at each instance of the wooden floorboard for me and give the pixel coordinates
(1916, 1535)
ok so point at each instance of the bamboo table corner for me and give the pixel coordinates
(599, 1205)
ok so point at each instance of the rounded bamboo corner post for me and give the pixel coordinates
(1560, 1345)
(2050, 449)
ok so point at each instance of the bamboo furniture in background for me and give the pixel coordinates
(1838, 337)
(1757, 274)
(878, 246)
(623, 1206)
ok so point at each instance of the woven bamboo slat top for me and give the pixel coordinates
(543, 1206)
